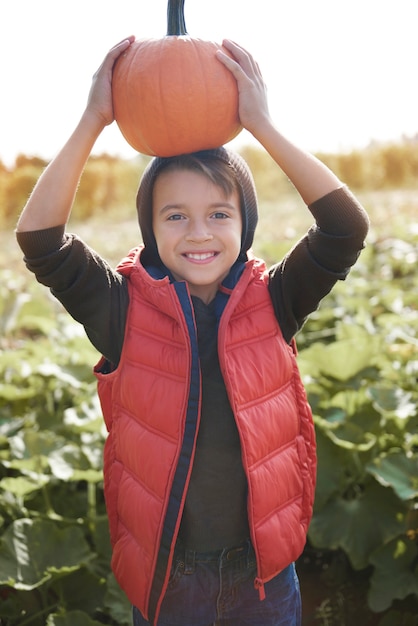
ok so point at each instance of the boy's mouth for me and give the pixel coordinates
(200, 256)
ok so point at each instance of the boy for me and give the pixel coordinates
(210, 460)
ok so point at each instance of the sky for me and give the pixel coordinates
(340, 73)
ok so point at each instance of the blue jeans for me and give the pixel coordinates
(217, 589)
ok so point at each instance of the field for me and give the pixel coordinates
(359, 359)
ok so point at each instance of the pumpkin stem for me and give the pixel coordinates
(175, 18)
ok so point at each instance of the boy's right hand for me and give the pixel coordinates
(100, 102)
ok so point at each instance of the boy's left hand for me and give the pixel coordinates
(253, 105)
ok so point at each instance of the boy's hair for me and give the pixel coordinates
(224, 168)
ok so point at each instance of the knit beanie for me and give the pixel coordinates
(248, 199)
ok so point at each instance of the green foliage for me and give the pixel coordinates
(359, 358)
(54, 543)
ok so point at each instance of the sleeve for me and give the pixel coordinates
(322, 257)
(90, 290)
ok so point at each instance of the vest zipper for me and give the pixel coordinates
(259, 585)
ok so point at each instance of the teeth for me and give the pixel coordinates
(200, 257)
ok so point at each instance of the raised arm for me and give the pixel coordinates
(312, 178)
(52, 199)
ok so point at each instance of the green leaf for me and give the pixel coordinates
(70, 463)
(340, 360)
(58, 373)
(83, 590)
(335, 464)
(398, 471)
(72, 618)
(395, 574)
(117, 603)
(86, 418)
(398, 618)
(358, 524)
(11, 393)
(348, 435)
(101, 538)
(31, 551)
(34, 465)
(393, 400)
(31, 444)
(20, 486)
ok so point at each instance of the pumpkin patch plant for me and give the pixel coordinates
(172, 95)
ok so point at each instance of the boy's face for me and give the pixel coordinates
(197, 229)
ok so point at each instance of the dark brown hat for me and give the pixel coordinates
(248, 198)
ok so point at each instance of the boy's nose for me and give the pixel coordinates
(198, 231)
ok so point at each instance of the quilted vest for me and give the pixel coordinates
(151, 406)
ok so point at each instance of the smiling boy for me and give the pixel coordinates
(197, 227)
(210, 462)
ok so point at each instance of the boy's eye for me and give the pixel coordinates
(174, 217)
(219, 215)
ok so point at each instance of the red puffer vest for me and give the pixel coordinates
(151, 406)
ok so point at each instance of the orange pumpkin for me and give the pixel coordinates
(172, 95)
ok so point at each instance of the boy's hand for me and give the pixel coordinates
(100, 102)
(253, 105)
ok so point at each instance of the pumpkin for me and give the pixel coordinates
(172, 95)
